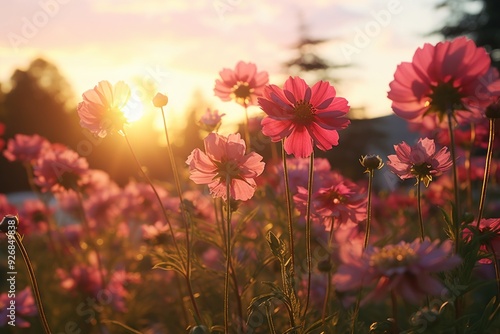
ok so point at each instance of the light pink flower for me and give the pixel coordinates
(34, 217)
(101, 111)
(451, 76)
(420, 161)
(242, 85)
(24, 307)
(303, 116)
(156, 234)
(491, 244)
(225, 160)
(59, 169)
(25, 148)
(404, 268)
(87, 280)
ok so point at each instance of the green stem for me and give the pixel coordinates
(247, 131)
(419, 208)
(329, 276)
(497, 270)
(228, 256)
(270, 323)
(308, 232)
(468, 170)
(164, 212)
(162, 207)
(185, 216)
(455, 180)
(289, 210)
(456, 219)
(489, 154)
(368, 209)
(34, 284)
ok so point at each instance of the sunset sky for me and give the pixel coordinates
(182, 45)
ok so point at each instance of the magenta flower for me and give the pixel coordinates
(242, 85)
(404, 268)
(24, 307)
(451, 76)
(225, 160)
(303, 116)
(420, 161)
(25, 148)
(101, 111)
(337, 200)
(490, 227)
(58, 169)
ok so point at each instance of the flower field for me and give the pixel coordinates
(240, 240)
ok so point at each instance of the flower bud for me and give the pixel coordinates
(160, 100)
(9, 223)
(493, 110)
(371, 162)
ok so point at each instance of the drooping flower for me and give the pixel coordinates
(59, 169)
(242, 85)
(303, 116)
(420, 161)
(225, 160)
(451, 76)
(23, 308)
(490, 228)
(404, 268)
(101, 111)
(25, 148)
(160, 100)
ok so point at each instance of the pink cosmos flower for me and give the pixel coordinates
(59, 169)
(140, 203)
(405, 268)
(101, 111)
(420, 161)
(156, 234)
(34, 216)
(303, 116)
(490, 226)
(336, 199)
(225, 160)
(25, 148)
(87, 280)
(242, 85)
(25, 307)
(449, 76)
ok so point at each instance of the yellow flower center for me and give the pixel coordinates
(241, 93)
(393, 257)
(304, 112)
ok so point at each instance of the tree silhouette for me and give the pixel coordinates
(308, 59)
(40, 102)
(478, 19)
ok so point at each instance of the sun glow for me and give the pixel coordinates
(134, 109)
